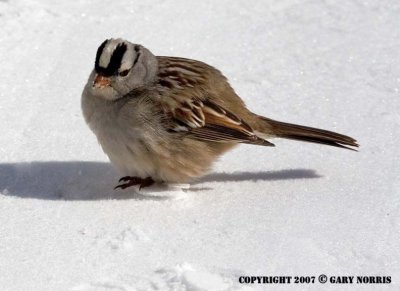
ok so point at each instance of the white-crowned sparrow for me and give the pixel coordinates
(167, 119)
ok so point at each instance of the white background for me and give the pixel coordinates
(296, 209)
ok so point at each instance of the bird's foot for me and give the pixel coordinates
(129, 181)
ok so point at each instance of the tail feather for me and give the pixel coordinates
(310, 134)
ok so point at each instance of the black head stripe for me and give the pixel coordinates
(115, 60)
(98, 55)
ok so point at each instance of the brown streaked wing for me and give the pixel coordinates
(223, 126)
(184, 89)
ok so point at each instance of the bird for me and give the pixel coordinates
(164, 119)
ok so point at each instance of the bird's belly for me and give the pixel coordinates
(129, 155)
(130, 159)
(144, 154)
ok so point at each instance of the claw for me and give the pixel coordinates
(133, 181)
(123, 186)
(126, 178)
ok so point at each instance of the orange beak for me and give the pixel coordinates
(101, 82)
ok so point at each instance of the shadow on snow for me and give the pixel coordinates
(77, 180)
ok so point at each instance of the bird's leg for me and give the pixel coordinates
(146, 182)
(133, 181)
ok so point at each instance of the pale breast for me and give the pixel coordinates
(122, 133)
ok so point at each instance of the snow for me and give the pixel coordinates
(296, 209)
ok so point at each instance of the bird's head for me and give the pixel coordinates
(121, 67)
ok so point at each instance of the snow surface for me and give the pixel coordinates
(296, 209)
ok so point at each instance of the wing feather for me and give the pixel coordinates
(186, 96)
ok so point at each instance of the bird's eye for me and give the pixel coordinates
(124, 73)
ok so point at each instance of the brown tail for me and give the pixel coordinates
(310, 134)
